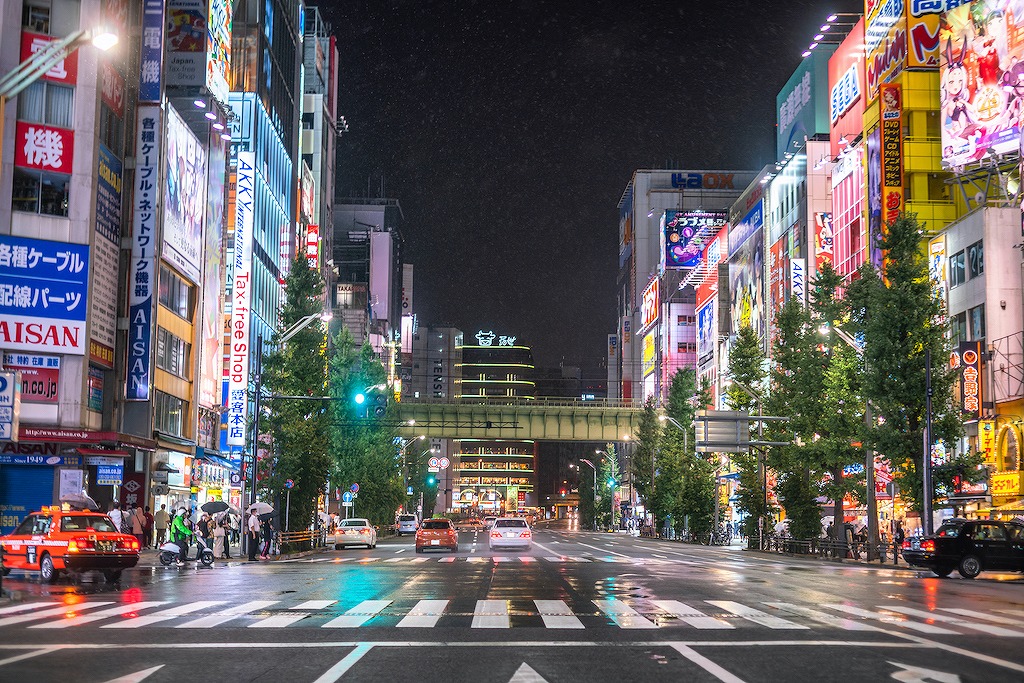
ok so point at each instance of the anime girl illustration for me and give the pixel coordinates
(959, 116)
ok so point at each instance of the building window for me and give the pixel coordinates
(38, 192)
(957, 275)
(111, 131)
(958, 328)
(48, 103)
(686, 320)
(175, 293)
(975, 259)
(169, 414)
(36, 18)
(172, 353)
(976, 319)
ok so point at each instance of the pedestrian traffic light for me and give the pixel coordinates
(360, 399)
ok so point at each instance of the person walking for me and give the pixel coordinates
(252, 536)
(268, 537)
(160, 521)
(147, 530)
(115, 514)
(204, 530)
(138, 519)
(218, 538)
(181, 534)
(225, 526)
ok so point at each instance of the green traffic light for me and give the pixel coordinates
(430, 481)
(360, 399)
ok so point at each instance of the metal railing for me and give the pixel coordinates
(826, 548)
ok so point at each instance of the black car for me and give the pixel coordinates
(970, 547)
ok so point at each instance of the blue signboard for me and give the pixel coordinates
(52, 460)
(109, 475)
(43, 295)
(108, 196)
(151, 64)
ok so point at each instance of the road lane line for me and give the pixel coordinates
(579, 559)
(822, 617)
(120, 610)
(623, 615)
(889, 619)
(755, 615)
(557, 614)
(944, 618)
(601, 550)
(401, 550)
(424, 615)
(691, 616)
(166, 614)
(26, 606)
(983, 615)
(705, 663)
(358, 615)
(62, 610)
(28, 655)
(228, 614)
(491, 614)
(342, 667)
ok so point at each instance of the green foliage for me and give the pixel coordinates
(902, 322)
(608, 470)
(586, 486)
(298, 427)
(642, 463)
(364, 450)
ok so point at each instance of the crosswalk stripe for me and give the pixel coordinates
(690, 616)
(164, 615)
(395, 559)
(367, 560)
(228, 614)
(557, 614)
(502, 559)
(314, 604)
(491, 614)
(755, 615)
(554, 558)
(822, 617)
(25, 606)
(320, 559)
(984, 615)
(446, 559)
(890, 619)
(416, 560)
(579, 559)
(623, 615)
(120, 610)
(295, 614)
(956, 621)
(358, 615)
(527, 559)
(424, 615)
(62, 610)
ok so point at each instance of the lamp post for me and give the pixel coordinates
(36, 66)
(762, 466)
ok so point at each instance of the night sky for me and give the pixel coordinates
(508, 130)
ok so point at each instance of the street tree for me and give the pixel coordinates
(586, 486)
(642, 462)
(609, 479)
(294, 373)
(903, 323)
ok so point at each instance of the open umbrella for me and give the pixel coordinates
(214, 506)
(80, 500)
(260, 508)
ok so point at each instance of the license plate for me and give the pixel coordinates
(104, 546)
(915, 545)
(435, 543)
(510, 534)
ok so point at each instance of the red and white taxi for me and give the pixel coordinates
(54, 540)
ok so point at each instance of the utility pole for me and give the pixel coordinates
(926, 462)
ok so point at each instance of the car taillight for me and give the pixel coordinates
(495, 534)
(525, 534)
(928, 546)
(76, 545)
(365, 530)
(906, 544)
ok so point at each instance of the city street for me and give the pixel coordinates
(578, 606)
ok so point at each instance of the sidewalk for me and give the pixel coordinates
(151, 558)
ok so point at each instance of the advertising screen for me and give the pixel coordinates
(802, 105)
(648, 353)
(686, 233)
(707, 329)
(218, 47)
(982, 80)
(184, 197)
(746, 285)
(873, 142)
(707, 285)
(847, 94)
(778, 270)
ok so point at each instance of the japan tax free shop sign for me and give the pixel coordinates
(43, 295)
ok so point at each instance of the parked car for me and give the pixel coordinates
(437, 533)
(407, 524)
(355, 531)
(970, 547)
(53, 540)
(512, 532)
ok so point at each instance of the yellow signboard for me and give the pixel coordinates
(648, 354)
(987, 440)
(1006, 484)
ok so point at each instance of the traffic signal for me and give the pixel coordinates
(379, 404)
(431, 480)
(360, 399)
(562, 491)
(611, 483)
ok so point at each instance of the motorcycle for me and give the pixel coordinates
(170, 551)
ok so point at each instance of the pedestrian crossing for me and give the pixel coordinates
(512, 560)
(629, 614)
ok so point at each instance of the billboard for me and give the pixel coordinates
(966, 360)
(686, 233)
(937, 266)
(648, 353)
(64, 72)
(218, 48)
(712, 255)
(746, 273)
(873, 143)
(778, 270)
(241, 298)
(106, 250)
(211, 358)
(802, 105)
(981, 74)
(650, 305)
(891, 100)
(707, 329)
(847, 90)
(823, 240)
(44, 148)
(44, 295)
(152, 51)
(184, 198)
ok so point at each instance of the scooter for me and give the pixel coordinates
(169, 553)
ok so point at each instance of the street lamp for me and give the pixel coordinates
(36, 66)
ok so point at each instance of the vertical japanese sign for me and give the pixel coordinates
(106, 251)
(151, 64)
(241, 298)
(891, 99)
(143, 264)
(967, 360)
(313, 246)
(823, 251)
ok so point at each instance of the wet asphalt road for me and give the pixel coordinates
(577, 606)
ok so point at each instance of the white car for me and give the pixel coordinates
(407, 524)
(355, 531)
(510, 532)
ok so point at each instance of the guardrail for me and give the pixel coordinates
(297, 541)
(826, 548)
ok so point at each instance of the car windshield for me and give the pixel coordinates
(436, 524)
(355, 522)
(949, 530)
(407, 518)
(83, 522)
(510, 523)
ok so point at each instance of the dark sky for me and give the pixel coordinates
(509, 129)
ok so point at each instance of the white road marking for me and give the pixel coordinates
(557, 614)
(137, 676)
(705, 663)
(691, 616)
(358, 615)
(527, 558)
(502, 559)
(342, 667)
(944, 618)
(623, 615)
(62, 610)
(579, 559)
(24, 607)
(120, 610)
(446, 559)
(164, 615)
(889, 619)
(282, 620)
(424, 615)
(553, 558)
(984, 615)
(320, 559)
(601, 550)
(526, 674)
(401, 550)
(228, 614)
(491, 614)
(27, 655)
(476, 559)
(755, 615)
(822, 617)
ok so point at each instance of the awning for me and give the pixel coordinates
(113, 453)
(216, 459)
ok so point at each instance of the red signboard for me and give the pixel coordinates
(44, 148)
(65, 71)
(651, 303)
(967, 360)
(312, 245)
(112, 89)
(707, 286)
(846, 88)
